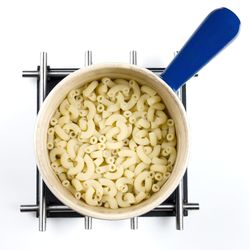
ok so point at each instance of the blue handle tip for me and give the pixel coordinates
(214, 33)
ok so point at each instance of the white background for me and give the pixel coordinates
(218, 110)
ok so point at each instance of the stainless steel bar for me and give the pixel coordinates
(179, 207)
(191, 206)
(164, 208)
(134, 223)
(179, 93)
(54, 209)
(51, 73)
(29, 208)
(179, 193)
(59, 209)
(42, 93)
(43, 77)
(88, 58)
(88, 223)
(133, 60)
(57, 72)
(87, 62)
(63, 208)
(171, 207)
(133, 57)
(30, 73)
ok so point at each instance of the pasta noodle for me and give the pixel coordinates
(148, 90)
(120, 200)
(114, 118)
(56, 152)
(112, 132)
(63, 120)
(112, 202)
(112, 143)
(74, 112)
(77, 168)
(152, 138)
(89, 197)
(115, 175)
(129, 197)
(140, 136)
(141, 102)
(61, 133)
(50, 140)
(143, 157)
(89, 171)
(96, 185)
(143, 182)
(122, 182)
(110, 186)
(123, 130)
(154, 99)
(77, 185)
(66, 162)
(71, 145)
(140, 167)
(90, 130)
(71, 127)
(63, 108)
(90, 88)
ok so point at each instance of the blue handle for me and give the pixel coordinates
(214, 33)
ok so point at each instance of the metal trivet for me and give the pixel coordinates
(47, 205)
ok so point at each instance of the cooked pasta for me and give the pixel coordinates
(112, 143)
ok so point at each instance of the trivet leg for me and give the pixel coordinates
(87, 62)
(133, 60)
(133, 57)
(134, 223)
(88, 58)
(42, 93)
(179, 207)
(88, 222)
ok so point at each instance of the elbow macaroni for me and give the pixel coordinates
(112, 143)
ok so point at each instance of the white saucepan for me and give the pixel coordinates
(216, 31)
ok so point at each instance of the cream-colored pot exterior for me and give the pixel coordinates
(86, 75)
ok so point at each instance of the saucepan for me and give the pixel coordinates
(215, 32)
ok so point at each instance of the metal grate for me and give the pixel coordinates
(47, 205)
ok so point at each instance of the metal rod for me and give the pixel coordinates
(88, 58)
(88, 223)
(179, 206)
(58, 72)
(134, 223)
(62, 72)
(42, 93)
(29, 208)
(179, 93)
(133, 57)
(164, 208)
(191, 206)
(87, 62)
(179, 192)
(43, 77)
(133, 60)
(63, 208)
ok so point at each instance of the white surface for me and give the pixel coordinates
(218, 109)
